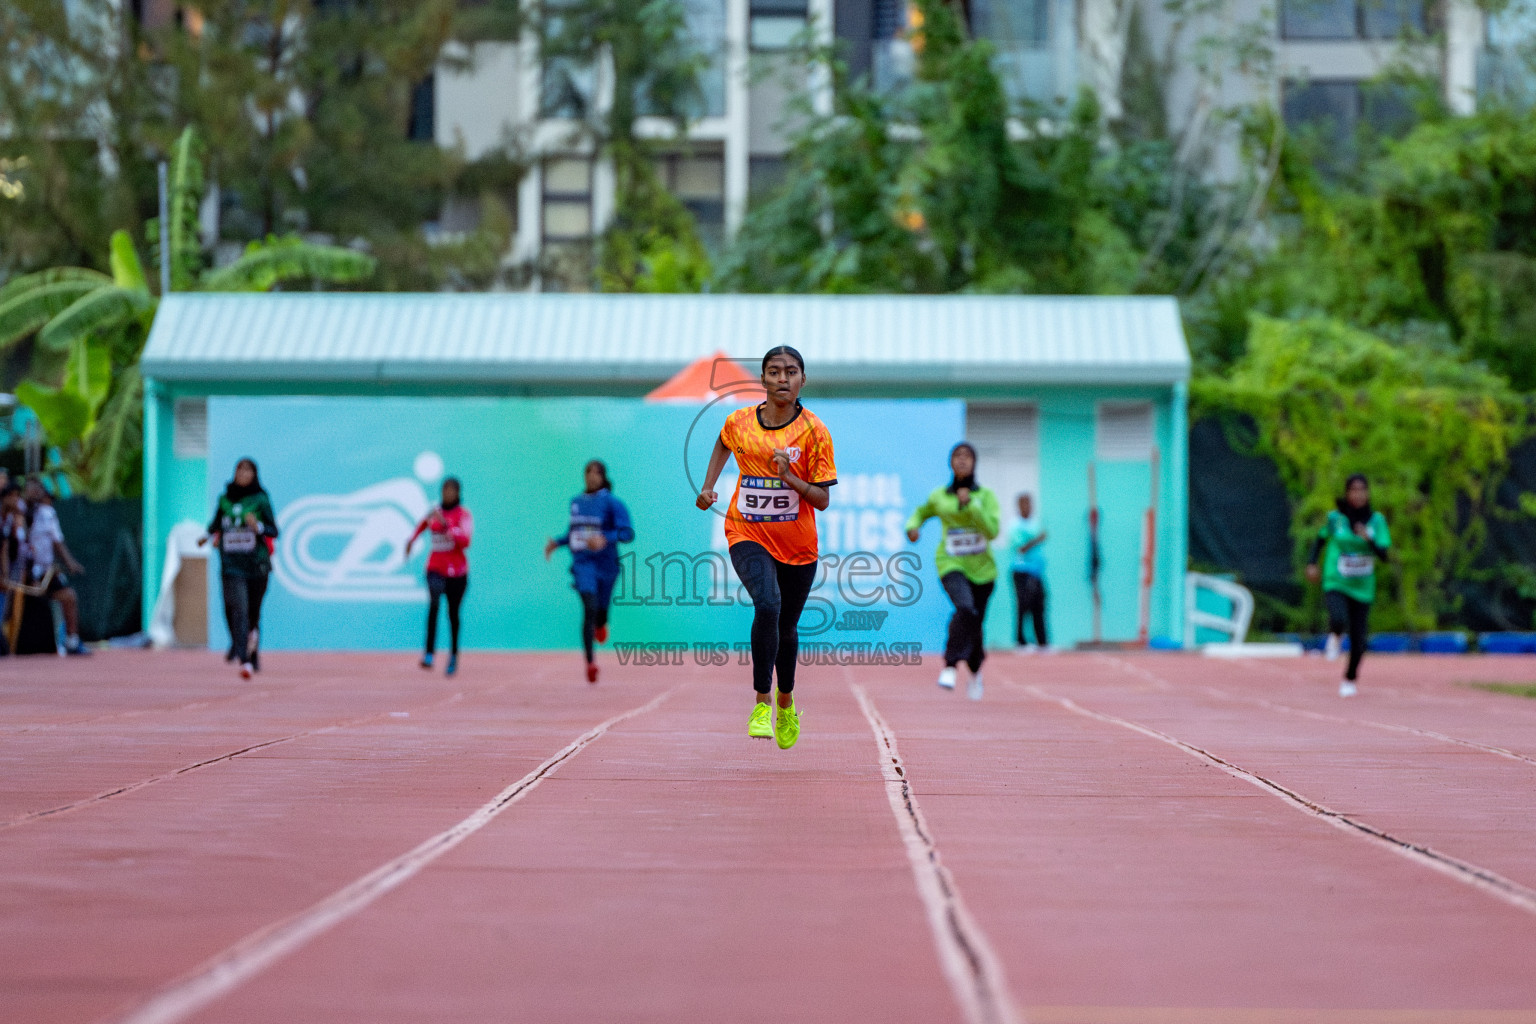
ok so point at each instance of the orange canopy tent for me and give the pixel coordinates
(709, 378)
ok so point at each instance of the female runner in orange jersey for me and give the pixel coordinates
(784, 455)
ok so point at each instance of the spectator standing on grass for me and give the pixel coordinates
(45, 549)
(1024, 542)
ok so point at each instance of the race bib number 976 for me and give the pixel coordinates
(767, 499)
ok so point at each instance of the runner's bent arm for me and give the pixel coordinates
(622, 532)
(818, 495)
(921, 515)
(463, 530)
(421, 526)
(266, 522)
(717, 461)
(984, 513)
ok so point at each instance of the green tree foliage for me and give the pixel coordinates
(1435, 233)
(929, 188)
(1430, 431)
(654, 65)
(63, 195)
(90, 329)
(305, 106)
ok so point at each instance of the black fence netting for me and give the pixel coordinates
(105, 537)
(1240, 522)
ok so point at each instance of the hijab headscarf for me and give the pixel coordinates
(234, 492)
(602, 467)
(968, 481)
(458, 492)
(1355, 515)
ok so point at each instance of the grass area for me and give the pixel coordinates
(1514, 689)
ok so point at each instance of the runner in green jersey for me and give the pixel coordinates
(970, 517)
(1350, 542)
(242, 530)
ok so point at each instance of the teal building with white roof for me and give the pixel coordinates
(355, 406)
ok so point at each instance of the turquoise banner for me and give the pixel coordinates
(350, 478)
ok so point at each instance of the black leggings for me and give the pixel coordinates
(1347, 614)
(242, 613)
(594, 616)
(1030, 591)
(451, 587)
(778, 594)
(970, 601)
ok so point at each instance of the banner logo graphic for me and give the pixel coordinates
(351, 547)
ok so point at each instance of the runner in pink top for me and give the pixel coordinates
(451, 528)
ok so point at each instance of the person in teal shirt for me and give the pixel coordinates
(969, 515)
(1350, 542)
(1024, 542)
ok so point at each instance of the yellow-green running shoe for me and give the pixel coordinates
(760, 725)
(787, 729)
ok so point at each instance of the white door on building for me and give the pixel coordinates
(1007, 441)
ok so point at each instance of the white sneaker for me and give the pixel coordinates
(1332, 646)
(947, 679)
(1348, 689)
(246, 671)
(974, 690)
(1026, 649)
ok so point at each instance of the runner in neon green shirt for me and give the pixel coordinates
(969, 515)
(1351, 540)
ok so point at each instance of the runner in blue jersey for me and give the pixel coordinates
(599, 524)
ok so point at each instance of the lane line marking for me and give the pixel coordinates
(230, 756)
(1490, 882)
(195, 705)
(1322, 716)
(975, 974)
(262, 948)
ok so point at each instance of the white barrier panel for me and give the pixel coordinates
(1235, 627)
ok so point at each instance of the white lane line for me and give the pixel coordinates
(1320, 716)
(974, 972)
(264, 947)
(1490, 882)
(132, 787)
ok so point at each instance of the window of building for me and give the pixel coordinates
(1026, 22)
(189, 428)
(422, 126)
(764, 174)
(1352, 19)
(1332, 115)
(1123, 431)
(567, 199)
(775, 24)
(698, 181)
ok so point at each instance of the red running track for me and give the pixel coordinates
(1131, 839)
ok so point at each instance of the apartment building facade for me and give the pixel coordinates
(1323, 55)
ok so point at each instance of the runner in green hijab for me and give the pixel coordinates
(970, 517)
(1351, 540)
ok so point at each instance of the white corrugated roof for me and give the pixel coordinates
(642, 339)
